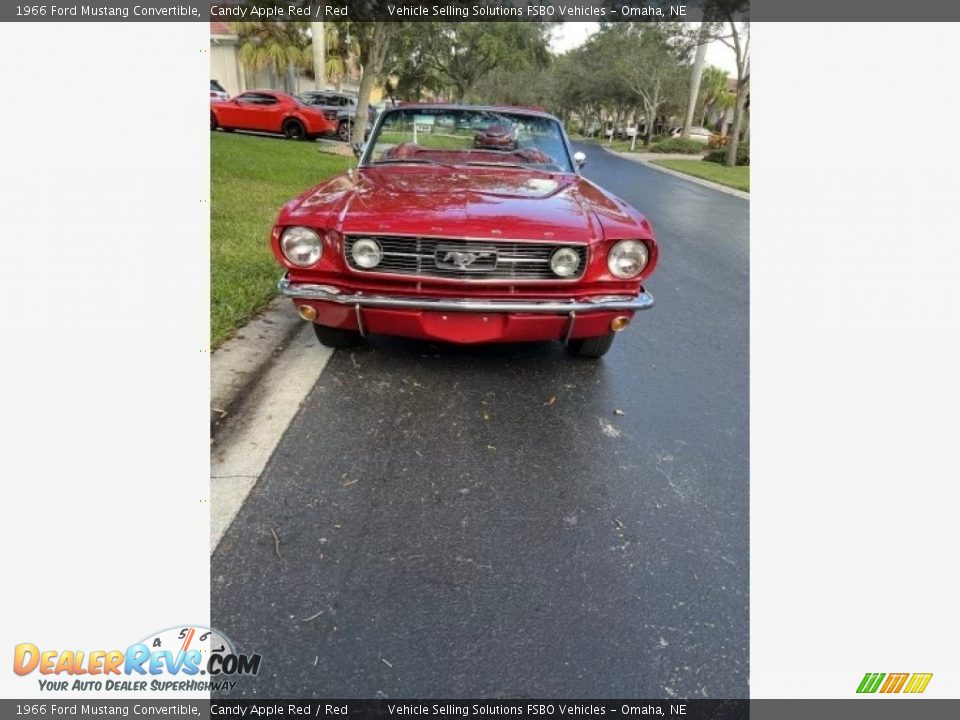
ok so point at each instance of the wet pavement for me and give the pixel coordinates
(507, 521)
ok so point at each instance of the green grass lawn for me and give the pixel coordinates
(736, 177)
(434, 141)
(250, 178)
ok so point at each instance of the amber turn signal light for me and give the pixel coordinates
(307, 313)
(619, 323)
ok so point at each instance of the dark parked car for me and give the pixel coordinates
(345, 107)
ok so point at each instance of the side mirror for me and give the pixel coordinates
(358, 149)
(580, 159)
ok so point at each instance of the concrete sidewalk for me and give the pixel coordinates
(237, 365)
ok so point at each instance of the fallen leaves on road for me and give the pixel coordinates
(276, 543)
(551, 401)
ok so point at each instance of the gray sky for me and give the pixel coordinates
(573, 34)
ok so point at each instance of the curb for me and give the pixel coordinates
(683, 176)
(240, 363)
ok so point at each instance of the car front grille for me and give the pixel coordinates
(465, 259)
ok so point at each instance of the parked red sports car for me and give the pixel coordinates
(274, 112)
(435, 239)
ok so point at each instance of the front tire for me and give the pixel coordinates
(294, 130)
(213, 122)
(336, 337)
(593, 347)
(344, 130)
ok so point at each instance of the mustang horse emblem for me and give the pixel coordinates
(463, 260)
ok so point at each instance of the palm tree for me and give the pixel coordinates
(341, 50)
(278, 47)
(713, 88)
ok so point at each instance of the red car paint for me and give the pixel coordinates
(269, 111)
(479, 203)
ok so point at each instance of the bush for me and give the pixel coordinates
(678, 145)
(720, 155)
(718, 141)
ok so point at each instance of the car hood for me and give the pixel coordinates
(466, 202)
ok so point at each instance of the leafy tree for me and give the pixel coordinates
(377, 44)
(739, 41)
(462, 53)
(727, 28)
(652, 60)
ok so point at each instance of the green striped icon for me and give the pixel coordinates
(871, 682)
(912, 683)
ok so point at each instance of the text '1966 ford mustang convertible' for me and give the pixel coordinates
(433, 237)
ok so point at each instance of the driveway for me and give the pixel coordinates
(506, 521)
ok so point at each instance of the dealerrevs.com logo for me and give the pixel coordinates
(910, 683)
(180, 659)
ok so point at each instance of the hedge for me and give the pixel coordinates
(678, 145)
(720, 156)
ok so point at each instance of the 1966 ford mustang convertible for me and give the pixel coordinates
(432, 237)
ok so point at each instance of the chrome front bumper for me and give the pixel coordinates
(329, 293)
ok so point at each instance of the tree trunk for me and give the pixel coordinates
(695, 75)
(375, 54)
(319, 55)
(733, 137)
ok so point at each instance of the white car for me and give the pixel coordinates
(217, 92)
(700, 134)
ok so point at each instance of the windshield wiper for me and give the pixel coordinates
(491, 163)
(411, 161)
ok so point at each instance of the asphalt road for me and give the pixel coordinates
(506, 521)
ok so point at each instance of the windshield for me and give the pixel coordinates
(469, 136)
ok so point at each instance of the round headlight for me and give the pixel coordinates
(366, 253)
(565, 262)
(301, 246)
(628, 258)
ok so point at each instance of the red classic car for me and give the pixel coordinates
(273, 112)
(496, 137)
(435, 239)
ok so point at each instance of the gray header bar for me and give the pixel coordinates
(873, 708)
(476, 10)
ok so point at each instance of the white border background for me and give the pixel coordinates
(855, 358)
(104, 276)
(855, 278)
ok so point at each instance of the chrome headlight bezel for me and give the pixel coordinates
(370, 253)
(627, 259)
(301, 246)
(568, 253)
